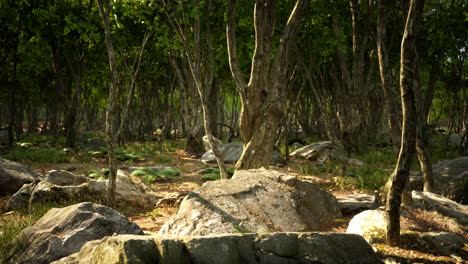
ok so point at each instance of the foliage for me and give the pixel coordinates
(46, 155)
(150, 175)
(102, 174)
(213, 173)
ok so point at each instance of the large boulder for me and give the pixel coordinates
(232, 152)
(62, 185)
(94, 143)
(257, 200)
(357, 202)
(437, 243)
(433, 202)
(14, 175)
(233, 248)
(321, 151)
(63, 231)
(370, 224)
(450, 179)
(4, 137)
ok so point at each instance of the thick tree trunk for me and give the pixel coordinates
(263, 97)
(407, 78)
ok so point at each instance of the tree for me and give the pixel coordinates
(263, 96)
(201, 66)
(408, 77)
(111, 115)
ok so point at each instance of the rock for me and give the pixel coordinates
(433, 202)
(63, 178)
(62, 232)
(232, 152)
(130, 190)
(206, 144)
(357, 202)
(437, 243)
(356, 163)
(450, 179)
(258, 200)
(94, 143)
(321, 151)
(454, 140)
(229, 248)
(13, 175)
(4, 137)
(370, 224)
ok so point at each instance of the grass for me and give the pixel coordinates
(39, 155)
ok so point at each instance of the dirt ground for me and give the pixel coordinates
(151, 220)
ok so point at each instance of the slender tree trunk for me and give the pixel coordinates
(389, 91)
(111, 115)
(407, 78)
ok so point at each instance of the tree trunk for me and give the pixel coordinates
(111, 114)
(389, 91)
(263, 97)
(407, 79)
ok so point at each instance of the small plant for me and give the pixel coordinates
(102, 174)
(213, 173)
(150, 175)
(127, 155)
(163, 159)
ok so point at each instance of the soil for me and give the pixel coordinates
(151, 220)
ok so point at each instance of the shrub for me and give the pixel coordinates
(149, 175)
(213, 173)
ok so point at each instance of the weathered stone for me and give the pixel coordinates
(206, 144)
(62, 232)
(13, 175)
(4, 137)
(356, 163)
(450, 179)
(94, 143)
(232, 152)
(437, 243)
(370, 224)
(357, 202)
(130, 190)
(433, 202)
(321, 151)
(253, 201)
(63, 178)
(275, 248)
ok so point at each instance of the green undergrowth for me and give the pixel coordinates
(102, 174)
(38, 155)
(213, 173)
(150, 175)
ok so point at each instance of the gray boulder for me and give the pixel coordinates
(437, 243)
(4, 137)
(357, 202)
(275, 248)
(370, 224)
(232, 152)
(13, 175)
(94, 143)
(63, 178)
(321, 151)
(206, 144)
(433, 202)
(62, 232)
(62, 185)
(258, 200)
(450, 179)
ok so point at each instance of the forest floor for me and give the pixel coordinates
(151, 220)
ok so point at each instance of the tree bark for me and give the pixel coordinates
(111, 115)
(407, 79)
(389, 91)
(263, 97)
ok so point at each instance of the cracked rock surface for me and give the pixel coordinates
(257, 200)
